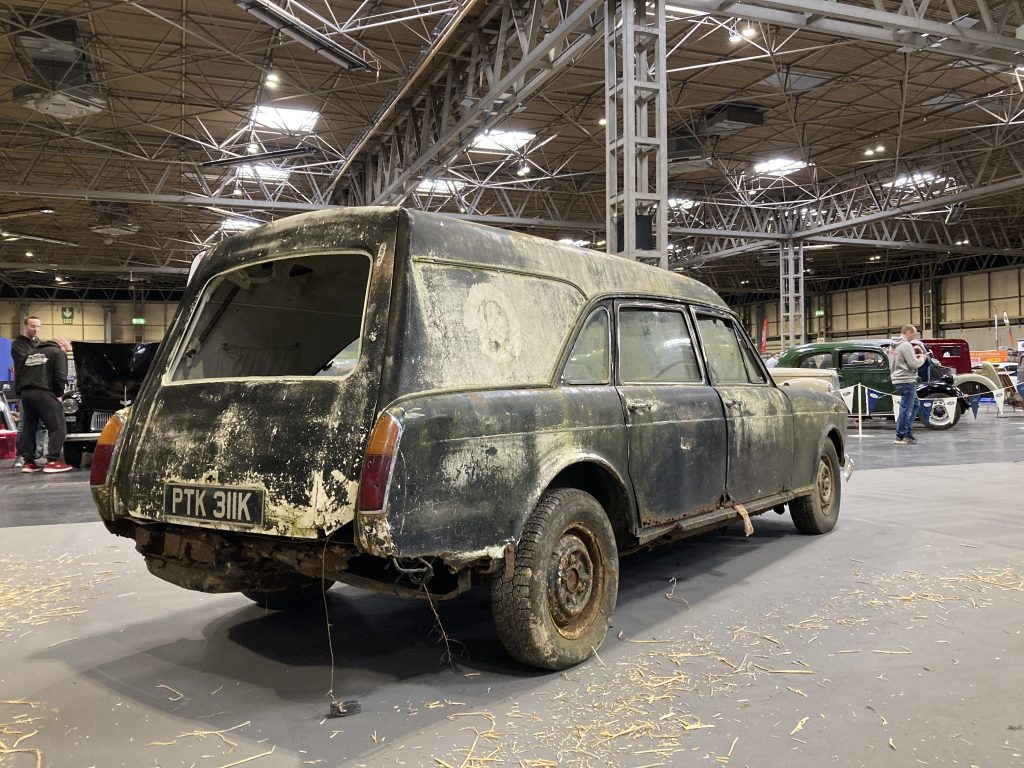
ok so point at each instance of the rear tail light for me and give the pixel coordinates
(381, 451)
(106, 448)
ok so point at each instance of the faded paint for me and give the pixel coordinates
(464, 360)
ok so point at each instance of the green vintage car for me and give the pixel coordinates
(867, 363)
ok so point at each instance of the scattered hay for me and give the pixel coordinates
(33, 593)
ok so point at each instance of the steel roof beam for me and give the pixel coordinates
(907, 28)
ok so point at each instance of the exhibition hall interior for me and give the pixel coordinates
(472, 383)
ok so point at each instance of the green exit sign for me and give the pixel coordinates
(819, 313)
(138, 321)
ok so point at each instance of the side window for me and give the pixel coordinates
(820, 360)
(730, 361)
(863, 361)
(655, 346)
(590, 361)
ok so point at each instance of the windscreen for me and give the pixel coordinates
(287, 317)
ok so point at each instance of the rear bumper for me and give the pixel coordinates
(82, 437)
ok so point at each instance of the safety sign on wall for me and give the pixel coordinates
(67, 315)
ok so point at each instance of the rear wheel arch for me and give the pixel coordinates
(605, 485)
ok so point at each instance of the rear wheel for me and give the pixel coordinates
(303, 592)
(819, 512)
(552, 611)
(942, 417)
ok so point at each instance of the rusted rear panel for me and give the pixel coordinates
(298, 439)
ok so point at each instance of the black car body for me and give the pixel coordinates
(108, 377)
(404, 401)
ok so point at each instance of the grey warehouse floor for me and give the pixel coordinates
(897, 640)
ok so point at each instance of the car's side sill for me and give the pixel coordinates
(716, 518)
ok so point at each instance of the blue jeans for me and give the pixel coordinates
(908, 409)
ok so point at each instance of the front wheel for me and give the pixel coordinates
(941, 417)
(819, 512)
(552, 611)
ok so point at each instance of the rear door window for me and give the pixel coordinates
(288, 317)
(655, 345)
(730, 359)
(590, 360)
(820, 360)
(869, 361)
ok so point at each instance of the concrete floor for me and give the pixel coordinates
(897, 640)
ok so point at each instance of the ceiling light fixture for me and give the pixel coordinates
(749, 31)
(238, 224)
(450, 186)
(501, 141)
(779, 166)
(303, 33)
(272, 81)
(524, 170)
(284, 119)
(603, 121)
(735, 37)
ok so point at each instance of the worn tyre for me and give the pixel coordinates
(819, 512)
(942, 418)
(73, 455)
(553, 610)
(302, 593)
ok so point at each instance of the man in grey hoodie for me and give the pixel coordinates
(905, 360)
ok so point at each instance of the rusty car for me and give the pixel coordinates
(419, 404)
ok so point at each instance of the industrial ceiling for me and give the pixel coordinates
(884, 137)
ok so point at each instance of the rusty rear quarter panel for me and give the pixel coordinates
(472, 466)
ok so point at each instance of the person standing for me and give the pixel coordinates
(21, 348)
(905, 362)
(40, 385)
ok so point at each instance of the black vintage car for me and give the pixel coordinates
(407, 402)
(108, 377)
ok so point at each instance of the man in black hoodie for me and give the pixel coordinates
(21, 348)
(44, 375)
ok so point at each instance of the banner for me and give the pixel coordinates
(896, 409)
(999, 396)
(975, 402)
(951, 406)
(847, 393)
(874, 396)
(1009, 331)
(764, 336)
(926, 410)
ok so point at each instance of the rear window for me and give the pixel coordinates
(289, 317)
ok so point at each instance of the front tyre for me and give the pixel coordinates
(941, 417)
(819, 512)
(552, 611)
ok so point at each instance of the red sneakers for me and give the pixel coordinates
(54, 467)
(30, 466)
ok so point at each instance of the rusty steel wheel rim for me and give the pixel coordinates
(573, 582)
(826, 486)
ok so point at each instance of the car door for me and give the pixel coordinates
(759, 418)
(675, 424)
(869, 368)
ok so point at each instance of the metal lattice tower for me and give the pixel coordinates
(635, 110)
(791, 295)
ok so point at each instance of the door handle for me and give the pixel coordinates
(737, 404)
(639, 405)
